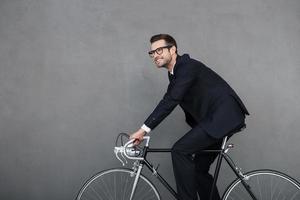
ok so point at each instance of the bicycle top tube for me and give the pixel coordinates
(130, 151)
(167, 150)
(128, 148)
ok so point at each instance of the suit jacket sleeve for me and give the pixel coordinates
(177, 88)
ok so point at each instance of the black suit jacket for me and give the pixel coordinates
(206, 99)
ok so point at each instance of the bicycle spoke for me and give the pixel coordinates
(265, 185)
(116, 184)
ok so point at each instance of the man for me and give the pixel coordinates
(212, 109)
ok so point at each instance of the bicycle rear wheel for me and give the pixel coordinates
(116, 184)
(266, 185)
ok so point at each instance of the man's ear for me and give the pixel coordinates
(173, 49)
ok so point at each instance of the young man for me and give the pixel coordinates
(212, 109)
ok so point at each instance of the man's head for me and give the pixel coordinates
(163, 50)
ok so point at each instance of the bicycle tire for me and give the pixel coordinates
(116, 184)
(266, 184)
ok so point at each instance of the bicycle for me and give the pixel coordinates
(130, 184)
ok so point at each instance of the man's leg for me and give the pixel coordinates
(184, 166)
(204, 179)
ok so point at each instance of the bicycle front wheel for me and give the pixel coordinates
(265, 185)
(116, 184)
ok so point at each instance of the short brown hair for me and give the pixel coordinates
(167, 38)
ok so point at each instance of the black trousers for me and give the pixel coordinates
(191, 168)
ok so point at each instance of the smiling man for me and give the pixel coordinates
(212, 109)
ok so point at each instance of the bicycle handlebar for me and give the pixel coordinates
(129, 151)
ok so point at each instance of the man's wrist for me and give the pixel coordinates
(146, 129)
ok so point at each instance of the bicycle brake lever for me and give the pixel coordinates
(116, 153)
(122, 154)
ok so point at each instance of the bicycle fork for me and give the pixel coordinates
(137, 173)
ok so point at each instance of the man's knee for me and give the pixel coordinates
(175, 150)
(178, 147)
(179, 150)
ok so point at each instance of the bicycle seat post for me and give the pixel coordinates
(224, 143)
(220, 156)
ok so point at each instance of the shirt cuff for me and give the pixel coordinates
(146, 128)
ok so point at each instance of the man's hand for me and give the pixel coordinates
(138, 136)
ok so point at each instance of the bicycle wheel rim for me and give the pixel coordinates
(266, 185)
(116, 184)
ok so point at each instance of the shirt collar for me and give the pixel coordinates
(172, 72)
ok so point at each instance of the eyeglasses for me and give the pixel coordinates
(159, 50)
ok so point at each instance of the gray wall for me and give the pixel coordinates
(74, 73)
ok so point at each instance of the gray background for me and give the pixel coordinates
(74, 73)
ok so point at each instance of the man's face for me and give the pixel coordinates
(162, 56)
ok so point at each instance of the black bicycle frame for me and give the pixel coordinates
(222, 154)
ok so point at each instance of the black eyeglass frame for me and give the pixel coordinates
(158, 50)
